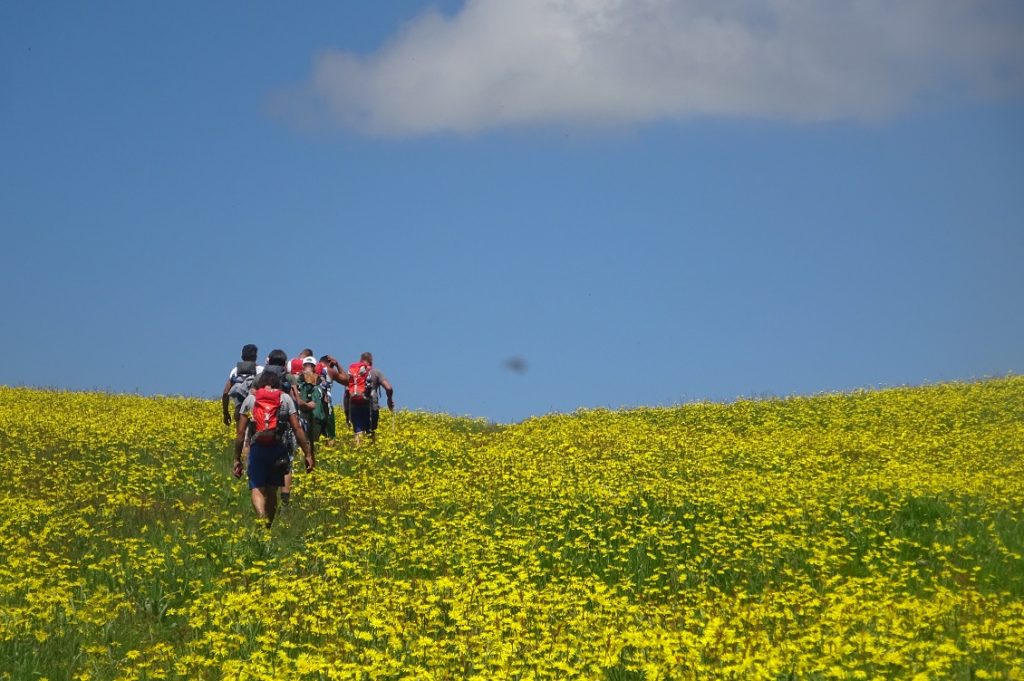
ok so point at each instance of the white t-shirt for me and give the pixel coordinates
(234, 372)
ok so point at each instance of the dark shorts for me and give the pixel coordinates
(360, 415)
(265, 464)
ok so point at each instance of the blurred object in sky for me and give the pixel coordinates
(516, 364)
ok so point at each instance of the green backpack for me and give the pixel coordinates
(311, 392)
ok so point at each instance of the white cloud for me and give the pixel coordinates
(519, 62)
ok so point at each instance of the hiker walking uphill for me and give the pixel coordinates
(313, 405)
(328, 372)
(377, 381)
(277, 363)
(239, 382)
(266, 414)
(364, 385)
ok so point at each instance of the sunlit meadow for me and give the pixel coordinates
(851, 536)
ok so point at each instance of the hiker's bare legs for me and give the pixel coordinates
(264, 501)
(290, 444)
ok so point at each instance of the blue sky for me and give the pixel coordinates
(649, 203)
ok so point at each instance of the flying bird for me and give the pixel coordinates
(516, 364)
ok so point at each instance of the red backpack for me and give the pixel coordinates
(264, 413)
(359, 382)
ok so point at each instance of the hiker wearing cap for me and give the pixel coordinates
(365, 383)
(312, 402)
(263, 416)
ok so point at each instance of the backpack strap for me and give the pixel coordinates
(245, 368)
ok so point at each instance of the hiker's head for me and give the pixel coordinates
(268, 379)
(309, 369)
(366, 357)
(249, 353)
(277, 358)
(306, 353)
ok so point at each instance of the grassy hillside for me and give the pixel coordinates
(866, 535)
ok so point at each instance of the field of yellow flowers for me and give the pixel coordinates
(850, 536)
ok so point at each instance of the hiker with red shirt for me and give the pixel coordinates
(263, 415)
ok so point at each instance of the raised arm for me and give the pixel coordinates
(338, 374)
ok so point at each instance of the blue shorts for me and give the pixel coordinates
(359, 415)
(267, 464)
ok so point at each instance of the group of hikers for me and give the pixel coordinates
(288, 405)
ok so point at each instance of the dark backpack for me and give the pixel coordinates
(241, 383)
(286, 378)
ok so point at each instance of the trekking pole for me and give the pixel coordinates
(394, 420)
